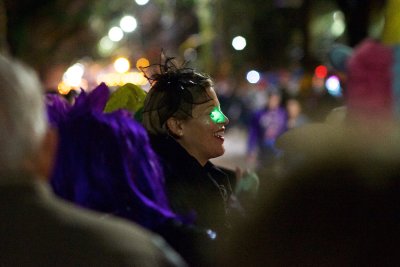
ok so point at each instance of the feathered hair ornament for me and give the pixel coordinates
(174, 90)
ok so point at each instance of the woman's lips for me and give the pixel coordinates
(220, 135)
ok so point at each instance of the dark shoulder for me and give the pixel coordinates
(42, 230)
(120, 241)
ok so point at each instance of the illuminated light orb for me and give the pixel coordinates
(128, 24)
(212, 234)
(239, 43)
(119, 79)
(142, 63)
(321, 71)
(115, 34)
(332, 84)
(105, 46)
(217, 116)
(137, 78)
(73, 76)
(338, 27)
(63, 88)
(122, 65)
(141, 2)
(253, 76)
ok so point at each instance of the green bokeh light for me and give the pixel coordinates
(217, 116)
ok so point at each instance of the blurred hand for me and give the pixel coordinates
(247, 182)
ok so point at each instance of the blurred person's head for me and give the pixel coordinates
(274, 99)
(24, 142)
(339, 207)
(293, 108)
(182, 103)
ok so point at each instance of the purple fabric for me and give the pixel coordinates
(266, 126)
(57, 108)
(105, 162)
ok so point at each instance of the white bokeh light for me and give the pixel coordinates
(239, 43)
(122, 65)
(73, 75)
(141, 2)
(128, 24)
(332, 84)
(253, 76)
(105, 46)
(115, 34)
(339, 25)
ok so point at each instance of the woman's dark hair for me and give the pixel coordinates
(174, 90)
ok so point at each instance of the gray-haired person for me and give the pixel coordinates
(36, 228)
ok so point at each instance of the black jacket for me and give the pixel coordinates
(192, 188)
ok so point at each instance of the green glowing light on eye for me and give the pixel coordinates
(217, 116)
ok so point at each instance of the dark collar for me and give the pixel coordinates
(171, 151)
(176, 160)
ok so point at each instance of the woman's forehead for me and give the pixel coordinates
(212, 102)
(213, 99)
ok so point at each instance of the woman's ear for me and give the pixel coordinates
(175, 127)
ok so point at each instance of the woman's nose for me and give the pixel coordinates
(226, 121)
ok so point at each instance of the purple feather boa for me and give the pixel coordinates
(104, 161)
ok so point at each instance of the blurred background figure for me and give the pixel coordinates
(296, 117)
(38, 229)
(338, 207)
(266, 126)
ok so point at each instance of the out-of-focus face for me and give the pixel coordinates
(293, 108)
(203, 134)
(274, 101)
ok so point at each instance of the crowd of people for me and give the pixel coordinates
(85, 187)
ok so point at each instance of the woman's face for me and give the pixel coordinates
(203, 134)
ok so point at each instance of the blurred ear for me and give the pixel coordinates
(44, 162)
(175, 127)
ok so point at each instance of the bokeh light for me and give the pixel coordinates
(332, 84)
(239, 43)
(142, 63)
(141, 2)
(253, 76)
(122, 65)
(73, 76)
(105, 46)
(128, 24)
(321, 71)
(115, 34)
(339, 25)
(119, 79)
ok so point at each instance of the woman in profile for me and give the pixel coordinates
(186, 125)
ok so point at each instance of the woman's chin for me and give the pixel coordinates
(218, 153)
